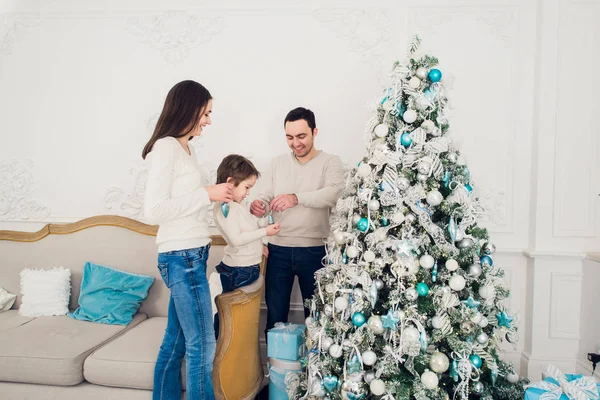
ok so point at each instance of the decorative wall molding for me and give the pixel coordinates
(175, 33)
(16, 187)
(564, 321)
(12, 29)
(129, 204)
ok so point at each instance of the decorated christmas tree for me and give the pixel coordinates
(410, 303)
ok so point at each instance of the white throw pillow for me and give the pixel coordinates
(45, 292)
(6, 300)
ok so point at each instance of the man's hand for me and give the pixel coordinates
(283, 202)
(257, 208)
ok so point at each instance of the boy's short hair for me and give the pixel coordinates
(236, 167)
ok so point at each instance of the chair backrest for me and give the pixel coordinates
(112, 241)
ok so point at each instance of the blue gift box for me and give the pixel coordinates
(533, 393)
(278, 369)
(286, 341)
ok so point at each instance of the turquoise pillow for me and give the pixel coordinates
(110, 296)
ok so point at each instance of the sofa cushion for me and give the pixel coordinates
(51, 350)
(129, 360)
(11, 319)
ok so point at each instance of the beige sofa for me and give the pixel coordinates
(62, 358)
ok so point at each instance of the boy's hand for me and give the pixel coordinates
(273, 230)
(283, 202)
(257, 208)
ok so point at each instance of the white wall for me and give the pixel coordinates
(83, 82)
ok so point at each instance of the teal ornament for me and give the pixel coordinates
(469, 187)
(504, 319)
(486, 261)
(424, 342)
(363, 224)
(330, 383)
(446, 179)
(405, 139)
(345, 258)
(454, 370)
(354, 396)
(358, 319)
(471, 302)
(476, 360)
(494, 374)
(401, 109)
(390, 321)
(385, 221)
(373, 295)
(435, 75)
(387, 93)
(270, 219)
(452, 229)
(225, 209)
(422, 289)
(434, 272)
(353, 366)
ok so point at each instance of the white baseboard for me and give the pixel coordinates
(585, 368)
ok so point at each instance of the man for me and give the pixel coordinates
(304, 185)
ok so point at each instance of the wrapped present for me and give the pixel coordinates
(286, 341)
(279, 373)
(558, 386)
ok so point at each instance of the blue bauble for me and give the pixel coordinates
(435, 75)
(405, 139)
(486, 260)
(401, 109)
(476, 360)
(469, 188)
(385, 221)
(358, 319)
(225, 209)
(363, 224)
(422, 289)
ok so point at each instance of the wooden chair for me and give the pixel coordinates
(237, 371)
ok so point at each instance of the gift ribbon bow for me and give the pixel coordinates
(582, 388)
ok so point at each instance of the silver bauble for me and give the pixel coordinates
(356, 218)
(475, 270)
(482, 338)
(378, 284)
(369, 376)
(489, 248)
(411, 294)
(477, 389)
(452, 157)
(422, 73)
(358, 293)
(403, 183)
(328, 309)
(467, 327)
(463, 244)
(421, 177)
(424, 168)
(439, 362)
(375, 324)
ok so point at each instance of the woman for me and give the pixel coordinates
(176, 201)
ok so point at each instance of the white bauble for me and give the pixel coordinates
(484, 322)
(411, 294)
(434, 198)
(369, 256)
(369, 358)
(335, 351)
(398, 217)
(373, 205)
(375, 324)
(457, 283)
(414, 82)
(451, 265)
(352, 251)
(482, 338)
(326, 343)
(341, 303)
(356, 218)
(369, 376)
(460, 235)
(439, 362)
(427, 261)
(377, 387)
(380, 234)
(512, 378)
(388, 105)
(476, 319)
(411, 334)
(309, 321)
(381, 130)
(363, 170)
(317, 389)
(263, 222)
(486, 292)
(339, 237)
(409, 116)
(422, 72)
(436, 322)
(429, 379)
(428, 125)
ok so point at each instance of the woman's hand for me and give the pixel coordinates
(273, 229)
(222, 192)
